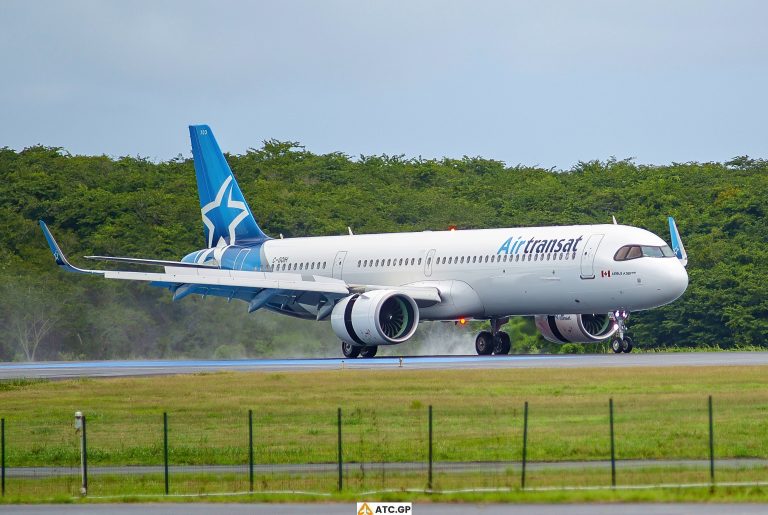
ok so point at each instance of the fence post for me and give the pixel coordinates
(613, 447)
(429, 478)
(165, 449)
(341, 477)
(250, 448)
(525, 444)
(2, 456)
(84, 460)
(711, 446)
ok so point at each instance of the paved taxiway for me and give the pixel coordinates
(60, 370)
(418, 508)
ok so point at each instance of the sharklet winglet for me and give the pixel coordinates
(59, 256)
(677, 242)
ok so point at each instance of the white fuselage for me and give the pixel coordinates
(496, 272)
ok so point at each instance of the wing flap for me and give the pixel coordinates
(153, 262)
(420, 293)
(233, 279)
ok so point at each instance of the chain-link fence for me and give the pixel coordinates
(674, 441)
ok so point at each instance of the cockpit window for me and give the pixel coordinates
(668, 252)
(628, 252)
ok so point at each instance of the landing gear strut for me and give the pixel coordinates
(621, 342)
(493, 341)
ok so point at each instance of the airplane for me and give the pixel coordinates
(579, 282)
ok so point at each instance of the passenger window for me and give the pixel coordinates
(517, 257)
(462, 260)
(474, 259)
(323, 265)
(429, 261)
(413, 260)
(419, 261)
(401, 261)
(389, 262)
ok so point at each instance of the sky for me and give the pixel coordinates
(547, 83)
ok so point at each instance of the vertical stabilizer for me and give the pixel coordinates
(227, 219)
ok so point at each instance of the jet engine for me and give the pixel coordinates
(379, 317)
(576, 328)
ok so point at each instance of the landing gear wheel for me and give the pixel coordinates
(484, 343)
(626, 344)
(349, 350)
(617, 345)
(368, 352)
(501, 343)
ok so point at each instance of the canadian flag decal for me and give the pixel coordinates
(605, 273)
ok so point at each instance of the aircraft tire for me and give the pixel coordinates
(627, 345)
(484, 343)
(617, 345)
(501, 343)
(368, 352)
(349, 350)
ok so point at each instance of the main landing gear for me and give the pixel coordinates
(621, 342)
(353, 351)
(493, 341)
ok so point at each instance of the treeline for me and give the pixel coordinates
(130, 206)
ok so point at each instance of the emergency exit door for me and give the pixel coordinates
(588, 256)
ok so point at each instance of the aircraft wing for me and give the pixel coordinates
(294, 294)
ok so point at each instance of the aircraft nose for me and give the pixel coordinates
(678, 280)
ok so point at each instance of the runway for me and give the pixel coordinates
(70, 369)
(426, 508)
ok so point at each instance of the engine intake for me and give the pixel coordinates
(380, 317)
(576, 328)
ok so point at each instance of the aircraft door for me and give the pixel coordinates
(588, 256)
(338, 263)
(428, 262)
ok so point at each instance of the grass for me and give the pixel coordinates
(660, 413)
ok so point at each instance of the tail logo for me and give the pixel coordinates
(234, 210)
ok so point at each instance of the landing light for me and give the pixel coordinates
(451, 228)
(462, 321)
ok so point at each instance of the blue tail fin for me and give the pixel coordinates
(227, 219)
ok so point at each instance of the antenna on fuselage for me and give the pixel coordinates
(281, 236)
(350, 231)
(614, 220)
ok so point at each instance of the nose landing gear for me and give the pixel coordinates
(621, 342)
(493, 341)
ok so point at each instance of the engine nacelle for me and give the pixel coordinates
(380, 317)
(576, 328)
